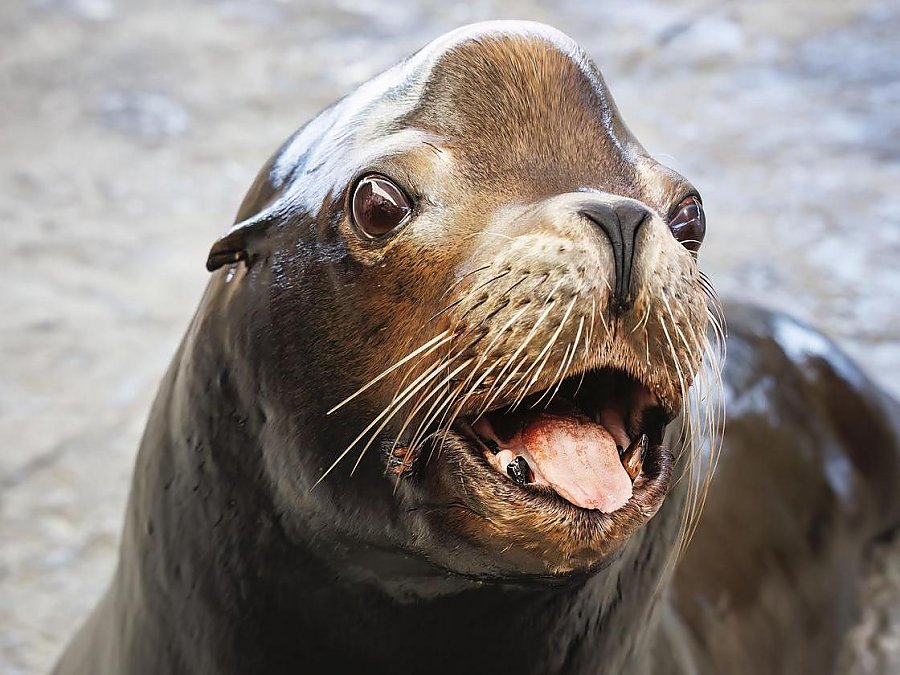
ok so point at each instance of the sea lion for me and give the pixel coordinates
(448, 404)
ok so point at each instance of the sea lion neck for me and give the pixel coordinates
(202, 540)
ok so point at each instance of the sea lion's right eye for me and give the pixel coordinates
(378, 205)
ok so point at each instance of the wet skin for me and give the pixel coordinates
(238, 556)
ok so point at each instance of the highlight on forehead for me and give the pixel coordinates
(525, 78)
(523, 103)
(521, 99)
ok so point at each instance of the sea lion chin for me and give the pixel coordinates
(475, 236)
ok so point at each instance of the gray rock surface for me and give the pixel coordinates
(129, 132)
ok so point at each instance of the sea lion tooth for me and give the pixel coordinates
(519, 470)
(633, 456)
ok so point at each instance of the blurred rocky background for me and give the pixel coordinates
(129, 132)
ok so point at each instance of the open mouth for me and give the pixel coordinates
(586, 439)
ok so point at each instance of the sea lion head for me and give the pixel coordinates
(466, 303)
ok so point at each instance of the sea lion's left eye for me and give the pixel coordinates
(378, 205)
(688, 223)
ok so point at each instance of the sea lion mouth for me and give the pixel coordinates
(586, 438)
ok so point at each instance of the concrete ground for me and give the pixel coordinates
(129, 132)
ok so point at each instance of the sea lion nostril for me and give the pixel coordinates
(620, 222)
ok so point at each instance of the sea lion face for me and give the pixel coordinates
(481, 292)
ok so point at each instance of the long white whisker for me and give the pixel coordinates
(431, 345)
(421, 381)
(388, 419)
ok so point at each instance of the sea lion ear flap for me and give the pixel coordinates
(237, 243)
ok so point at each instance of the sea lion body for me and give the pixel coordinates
(536, 247)
(806, 482)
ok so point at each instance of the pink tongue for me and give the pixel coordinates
(580, 460)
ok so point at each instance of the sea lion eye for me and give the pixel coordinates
(378, 205)
(688, 223)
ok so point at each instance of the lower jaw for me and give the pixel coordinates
(528, 531)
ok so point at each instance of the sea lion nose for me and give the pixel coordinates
(620, 222)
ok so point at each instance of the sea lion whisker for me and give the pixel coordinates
(451, 355)
(464, 277)
(448, 307)
(431, 373)
(512, 288)
(474, 387)
(411, 371)
(605, 325)
(587, 356)
(713, 302)
(503, 304)
(563, 368)
(680, 334)
(482, 301)
(403, 388)
(696, 492)
(498, 336)
(519, 388)
(701, 490)
(494, 278)
(589, 338)
(509, 380)
(439, 404)
(417, 441)
(469, 293)
(561, 377)
(510, 383)
(718, 331)
(447, 393)
(523, 384)
(400, 397)
(675, 359)
(557, 377)
(685, 422)
(432, 344)
(456, 410)
(493, 234)
(439, 430)
(643, 322)
(489, 349)
(436, 150)
(714, 307)
(389, 417)
(424, 395)
(715, 425)
(647, 346)
(548, 307)
(544, 354)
